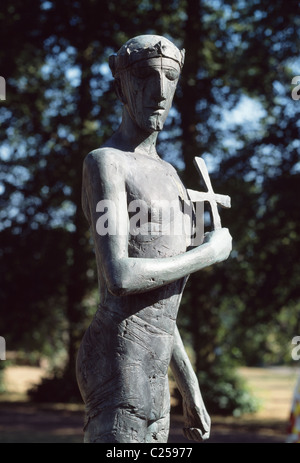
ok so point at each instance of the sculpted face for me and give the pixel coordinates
(147, 70)
(148, 88)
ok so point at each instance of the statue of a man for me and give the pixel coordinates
(123, 361)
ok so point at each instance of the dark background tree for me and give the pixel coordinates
(233, 107)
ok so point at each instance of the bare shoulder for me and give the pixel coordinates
(104, 156)
(106, 162)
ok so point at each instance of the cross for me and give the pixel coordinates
(209, 196)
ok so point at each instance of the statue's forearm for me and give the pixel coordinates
(136, 275)
(182, 370)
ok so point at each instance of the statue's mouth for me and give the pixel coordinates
(157, 109)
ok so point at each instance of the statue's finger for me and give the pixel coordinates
(187, 433)
(197, 434)
(206, 435)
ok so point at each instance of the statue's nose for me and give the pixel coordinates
(160, 88)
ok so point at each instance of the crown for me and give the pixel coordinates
(144, 47)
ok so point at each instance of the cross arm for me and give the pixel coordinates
(199, 196)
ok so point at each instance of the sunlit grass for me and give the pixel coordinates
(24, 422)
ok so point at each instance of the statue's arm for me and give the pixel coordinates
(196, 418)
(103, 179)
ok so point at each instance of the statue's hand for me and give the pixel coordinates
(221, 241)
(196, 421)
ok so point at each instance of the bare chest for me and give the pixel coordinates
(153, 180)
(160, 214)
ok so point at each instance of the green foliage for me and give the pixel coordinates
(60, 105)
(225, 392)
(257, 164)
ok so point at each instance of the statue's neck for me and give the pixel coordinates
(130, 137)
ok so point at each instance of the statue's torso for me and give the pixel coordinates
(132, 336)
(155, 192)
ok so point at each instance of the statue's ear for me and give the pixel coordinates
(112, 61)
(119, 91)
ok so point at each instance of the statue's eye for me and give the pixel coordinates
(142, 72)
(146, 72)
(172, 74)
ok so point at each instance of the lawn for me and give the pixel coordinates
(21, 421)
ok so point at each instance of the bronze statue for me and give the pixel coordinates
(122, 365)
